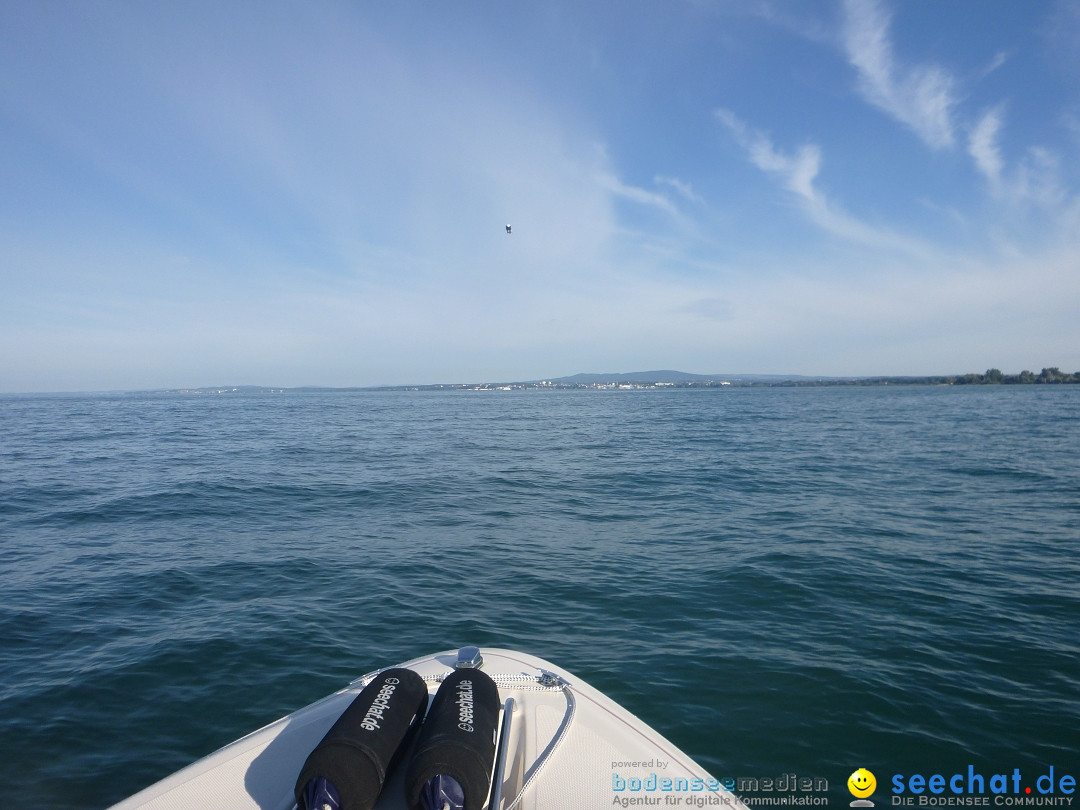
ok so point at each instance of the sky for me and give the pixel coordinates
(316, 193)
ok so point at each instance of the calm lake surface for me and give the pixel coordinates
(780, 580)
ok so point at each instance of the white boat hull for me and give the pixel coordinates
(568, 747)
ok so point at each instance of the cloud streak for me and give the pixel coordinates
(983, 146)
(797, 173)
(683, 188)
(1036, 178)
(923, 97)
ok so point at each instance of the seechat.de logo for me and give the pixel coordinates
(862, 785)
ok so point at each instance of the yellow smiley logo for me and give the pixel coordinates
(861, 783)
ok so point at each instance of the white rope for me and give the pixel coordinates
(534, 772)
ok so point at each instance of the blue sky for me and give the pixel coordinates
(285, 193)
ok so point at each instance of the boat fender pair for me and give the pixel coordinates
(348, 767)
(452, 760)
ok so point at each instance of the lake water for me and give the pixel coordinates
(780, 580)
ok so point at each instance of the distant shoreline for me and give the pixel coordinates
(1024, 378)
(640, 380)
(674, 380)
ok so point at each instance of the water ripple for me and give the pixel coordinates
(780, 580)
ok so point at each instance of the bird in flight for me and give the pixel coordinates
(508, 229)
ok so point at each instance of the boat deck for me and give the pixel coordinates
(567, 747)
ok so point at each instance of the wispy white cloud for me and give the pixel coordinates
(1000, 58)
(1060, 31)
(788, 17)
(922, 97)
(797, 173)
(1035, 178)
(684, 188)
(636, 194)
(983, 145)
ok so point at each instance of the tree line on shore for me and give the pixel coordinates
(994, 376)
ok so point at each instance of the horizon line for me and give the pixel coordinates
(584, 379)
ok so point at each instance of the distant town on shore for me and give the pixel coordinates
(680, 379)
